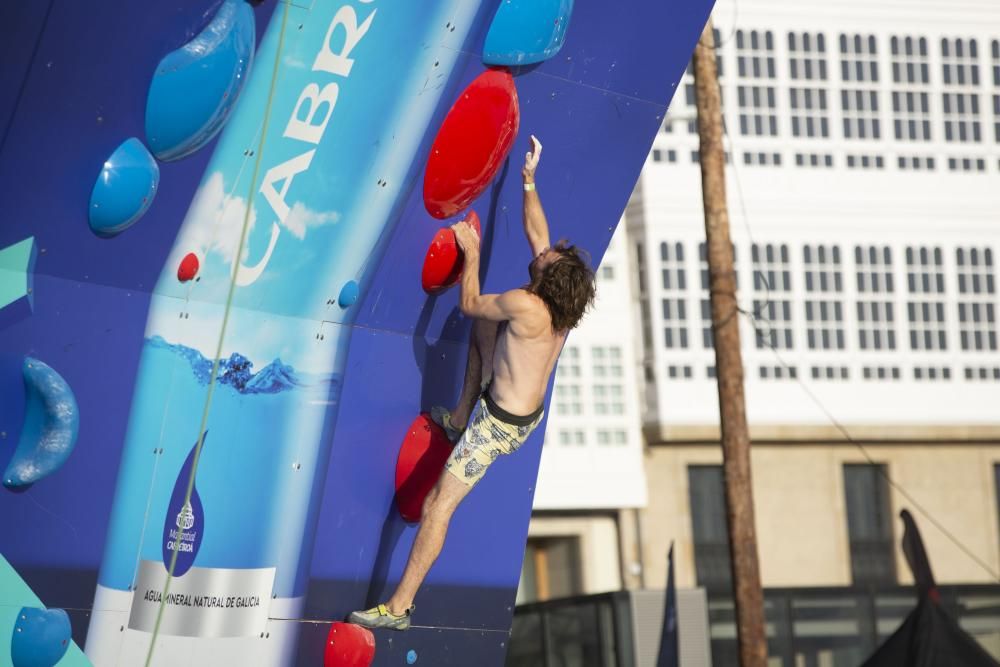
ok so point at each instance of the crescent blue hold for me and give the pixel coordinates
(195, 88)
(124, 189)
(51, 424)
(41, 637)
(348, 294)
(524, 32)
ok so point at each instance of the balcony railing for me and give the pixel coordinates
(839, 627)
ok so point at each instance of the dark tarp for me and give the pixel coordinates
(929, 637)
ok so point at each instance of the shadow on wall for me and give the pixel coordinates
(437, 388)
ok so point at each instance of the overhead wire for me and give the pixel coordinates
(762, 329)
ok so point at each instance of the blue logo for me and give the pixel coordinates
(184, 525)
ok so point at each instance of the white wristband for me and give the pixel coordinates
(528, 187)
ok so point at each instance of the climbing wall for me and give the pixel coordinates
(227, 294)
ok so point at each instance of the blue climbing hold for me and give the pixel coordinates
(51, 424)
(411, 657)
(41, 637)
(195, 88)
(348, 294)
(524, 32)
(124, 189)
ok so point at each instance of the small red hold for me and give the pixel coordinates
(443, 262)
(188, 267)
(348, 645)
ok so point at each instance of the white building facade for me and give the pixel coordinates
(864, 197)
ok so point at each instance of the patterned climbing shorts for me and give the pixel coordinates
(491, 433)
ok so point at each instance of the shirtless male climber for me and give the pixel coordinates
(516, 338)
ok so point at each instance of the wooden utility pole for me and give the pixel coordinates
(728, 361)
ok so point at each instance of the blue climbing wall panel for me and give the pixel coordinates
(290, 362)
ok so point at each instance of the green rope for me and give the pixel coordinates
(222, 332)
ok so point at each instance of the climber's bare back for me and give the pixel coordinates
(526, 352)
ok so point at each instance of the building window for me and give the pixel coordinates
(925, 307)
(829, 373)
(966, 164)
(977, 324)
(859, 95)
(640, 265)
(608, 399)
(568, 368)
(572, 438)
(915, 163)
(766, 372)
(880, 372)
(876, 319)
(660, 155)
(772, 288)
(679, 371)
(960, 100)
(813, 160)
(911, 116)
(865, 162)
(609, 394)
(568, 399)
(910, 60)
(996, 90)
(931, 373)
(762, 159)
(614, 364)
(610, 437)
(708, 527)
(674, 304)
(551, 570)
(824, 305)
(707, 338)
(869, 524)
(982, 373)
(756, 94)
(808, 92)
(607, 362)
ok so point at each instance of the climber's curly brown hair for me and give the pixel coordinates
(566, 286)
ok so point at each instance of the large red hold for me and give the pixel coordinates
(188, 268)
(474, 140)
(444, 260)
(421, 459)
(348, 645)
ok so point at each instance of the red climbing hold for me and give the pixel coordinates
(474, 139)
(443, 262)
(421, 459)
(188, 267)
(349, 645)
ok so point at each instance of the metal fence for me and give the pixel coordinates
(806, 627)
(585, 631)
